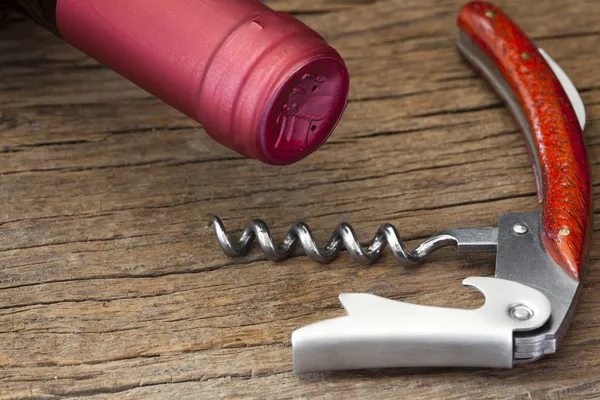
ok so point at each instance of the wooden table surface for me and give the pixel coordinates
(111, 281)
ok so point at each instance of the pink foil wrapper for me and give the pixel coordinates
(261, 83)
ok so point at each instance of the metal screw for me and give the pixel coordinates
(525, 56)
(520, 229)
(564, 232)
(490, 13)
(520, 312)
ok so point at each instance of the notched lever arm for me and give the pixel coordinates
(379, 332)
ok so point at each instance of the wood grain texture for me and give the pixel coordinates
(112, 284)
(558, 153)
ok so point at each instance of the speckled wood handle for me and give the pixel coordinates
(516, 69)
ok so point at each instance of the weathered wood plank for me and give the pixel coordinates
(111, 282)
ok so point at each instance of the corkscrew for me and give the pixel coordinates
(345, 237)
(540, 256)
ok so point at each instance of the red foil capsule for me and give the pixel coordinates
(261, 82)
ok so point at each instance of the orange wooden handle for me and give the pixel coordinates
(514, 66)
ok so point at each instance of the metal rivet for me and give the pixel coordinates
(564, 232)
(525, 56)
(490, 13)
(520, 229)
(520, 312)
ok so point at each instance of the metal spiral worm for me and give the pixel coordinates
(342, 237)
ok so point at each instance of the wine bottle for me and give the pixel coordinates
(260, 82)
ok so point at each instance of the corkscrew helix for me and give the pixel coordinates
(345, 237)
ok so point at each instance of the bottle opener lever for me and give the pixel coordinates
(540, 256)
